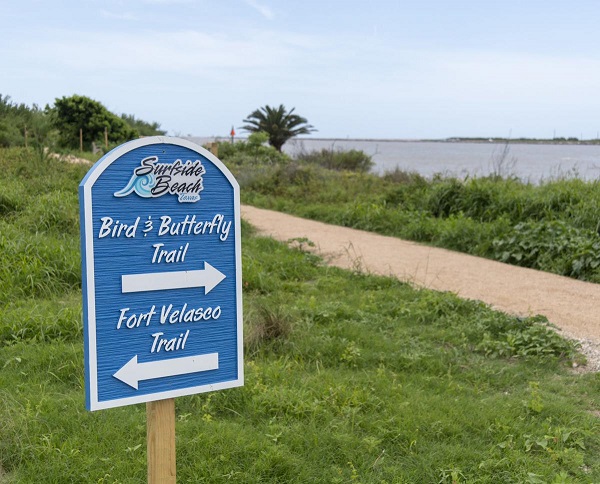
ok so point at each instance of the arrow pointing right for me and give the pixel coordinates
(208, 278)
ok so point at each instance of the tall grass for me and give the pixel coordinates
(38, 226)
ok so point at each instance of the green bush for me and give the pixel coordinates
(446, 198)
(10, 134)
(402, 177)
(251, 152)
(79, 114)
(351, 160)
(551, 246)
(521, 337)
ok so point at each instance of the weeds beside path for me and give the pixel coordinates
(570, 304)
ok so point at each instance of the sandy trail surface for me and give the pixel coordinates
(571, 305)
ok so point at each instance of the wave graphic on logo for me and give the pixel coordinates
(142, 185)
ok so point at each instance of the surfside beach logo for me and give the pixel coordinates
(153, 179)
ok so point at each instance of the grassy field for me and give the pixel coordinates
(349, 377)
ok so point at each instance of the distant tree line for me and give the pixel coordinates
(59, 125)
(76, 121)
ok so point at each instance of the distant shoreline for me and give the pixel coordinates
(556, 141)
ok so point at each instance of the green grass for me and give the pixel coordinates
(349, 377)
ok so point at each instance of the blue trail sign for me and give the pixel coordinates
(161, 262)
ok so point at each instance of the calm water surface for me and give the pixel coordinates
(530, 162)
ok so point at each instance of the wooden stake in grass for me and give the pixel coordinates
(80, 139)
(160, 430)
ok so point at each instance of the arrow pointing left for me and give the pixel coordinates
(133, 372)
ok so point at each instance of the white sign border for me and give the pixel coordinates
(90, 288)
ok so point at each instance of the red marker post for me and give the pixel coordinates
(232, 134)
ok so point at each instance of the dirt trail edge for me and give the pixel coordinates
(571, 305)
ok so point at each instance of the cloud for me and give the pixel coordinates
(264, 10)
(151, 51)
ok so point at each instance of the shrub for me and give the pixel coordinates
(72, 114)
(253, 151)
(521, 337)
(443, 197)
(352, 160)
(400, 176)
(551, 246)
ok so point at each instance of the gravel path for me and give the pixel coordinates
(571, 305)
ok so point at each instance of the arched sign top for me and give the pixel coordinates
(161, 261)
(103, 163)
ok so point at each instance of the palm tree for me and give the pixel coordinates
(278, 123)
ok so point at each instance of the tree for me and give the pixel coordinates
(143, 127)
(70, 114)
(278, 123)
(23, 125)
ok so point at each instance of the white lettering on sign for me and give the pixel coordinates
(185, 315)
(114, 228)
(168, 314)
(135, 320)
(169, 256)
(169, 344)
(189, 225)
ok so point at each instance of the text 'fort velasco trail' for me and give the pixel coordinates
(165, 253)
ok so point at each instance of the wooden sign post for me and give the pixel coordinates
(160, 436)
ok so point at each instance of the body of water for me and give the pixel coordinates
(529, 162)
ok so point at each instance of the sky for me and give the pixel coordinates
(401, 69)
